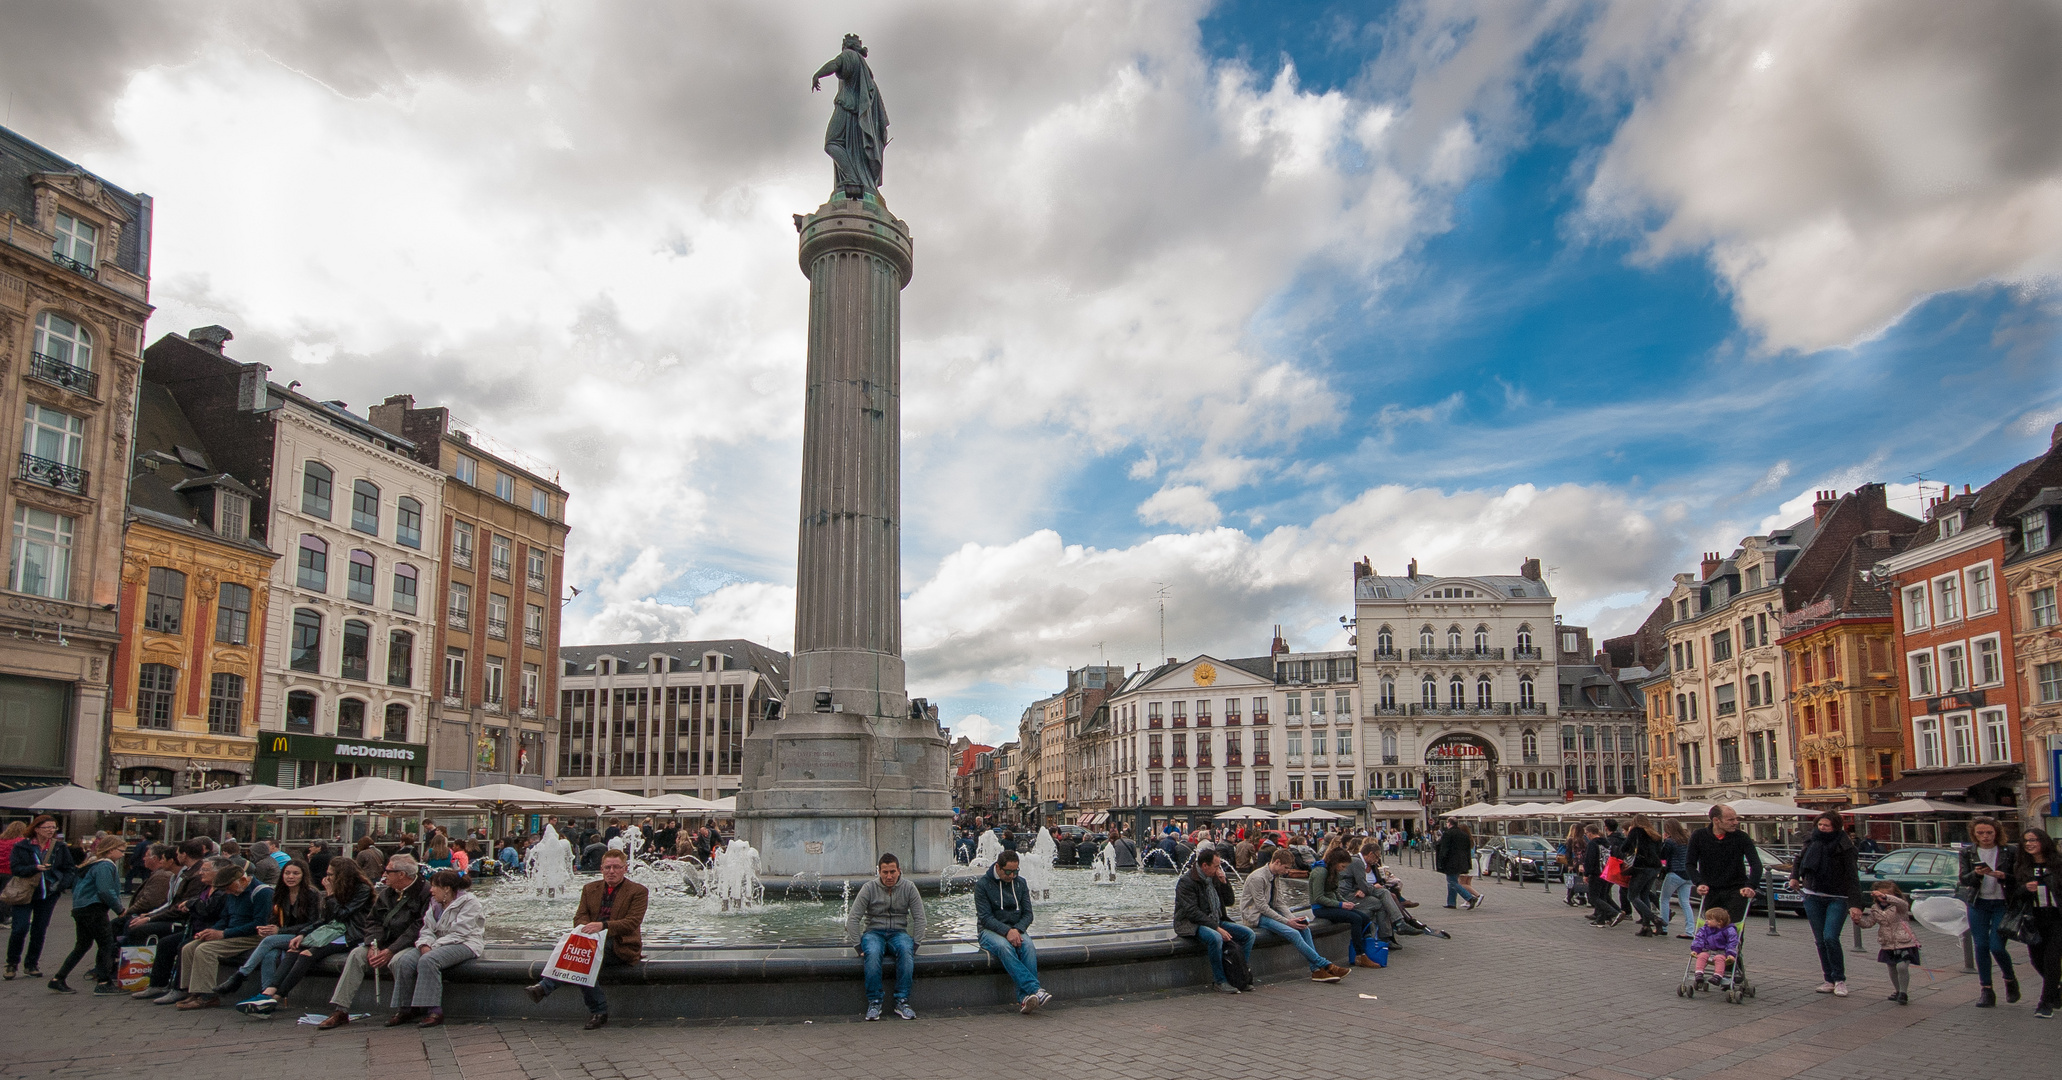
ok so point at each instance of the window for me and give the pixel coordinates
(1915, 608)
(360, 587)
(1388, 692)
(496, 681)
(1385, 642)
(504, 487)
(397, 723)
(1922, 673)
(56, 440)
(314, 564)
(67, 343)
(407, 522)
(1481, 639)
(316, 488)
(1567, 738)
(1456, 693)
(1693, 708)
(1753, 577)
(2041, 606)
(497, 616)
(1725, 699)
(357, 647)
(1344, 738)
(165, 601)
(41, 562)
(1997, 736)
(1525, 700)
(2049, 677)
(533, 681)
(233, 614)
(350, 718)
(1961, 740)
(1753, 692)
(405, 588)
(467, 470)
(1453, 639)
(1954, 668)
(498, 557)
(365, 506)
(2033, 530)
(1761, 627)
(306, 651)
(1721, 646)
(454, 673)
(400, 658)
(232, 515)
(1589, 737)
(533, 559)
(1524, 640)
(540, 502)
(1296, 788)
(1947, 593)
(1927, 736)
(1428, 692)
(225, 704)
(1982, 596)
(156, 689)
(75, 242)
(1990, 662)
(1768, 688)
(1484, 695)
(461, 604)
(1530, 744)
(462, 544)
(300, 712)
(1427, 640)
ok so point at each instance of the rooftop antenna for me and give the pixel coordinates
(1162, 597)
(1102, 659)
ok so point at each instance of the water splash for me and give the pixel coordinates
(1105, 870)
(734, 877)
(1036, 865)
(549, 867)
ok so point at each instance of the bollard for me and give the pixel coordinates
(1857, 933)
(1968, 952)
(1772, 910)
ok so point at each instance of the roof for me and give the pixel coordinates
(1500, 586)
(967, 757)
(748, 654)
(173, 478)
(1598, 689)
(21, 161)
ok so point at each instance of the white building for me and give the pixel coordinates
(655, 718)
(1458, 684)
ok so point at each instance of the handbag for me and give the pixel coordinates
(1614, 871)
(133, 971)
(326, 934)
(19, 890)
(2019, 925)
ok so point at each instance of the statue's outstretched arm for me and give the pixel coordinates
(830, 67)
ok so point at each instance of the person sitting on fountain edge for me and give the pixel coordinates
(1201, 898)
(1002, 907)
(887, 916)
(1261, 908)
(614, 903)
(398, 904)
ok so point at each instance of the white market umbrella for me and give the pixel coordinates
(1574, 809)
(503, 798)
(725, 806)
(1313, 813)
(1692, 808)
(71, 798)
(363, 791)
(681, 802)
(241, 797)
(599, 799)
(1245, 813)
(1765, 808)
(1633, 804)
(1924, 806)
(1527, 810)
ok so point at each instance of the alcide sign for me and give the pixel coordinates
(324, 748)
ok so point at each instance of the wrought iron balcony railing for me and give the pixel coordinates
(70, 376)
(54, 474)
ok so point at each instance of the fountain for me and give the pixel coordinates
(734, 877)
(548, 869)
(1105, 871)
(1036, 866)
(986, 851)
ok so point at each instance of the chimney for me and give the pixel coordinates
(1824, 503)
(211, 338)
(392, 414)
(1711, 564)
(1529, 570)
(1281, 644)
(1364, 568)
(1413, 570)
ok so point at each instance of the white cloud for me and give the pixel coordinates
(1185, 505)
(1839, 161)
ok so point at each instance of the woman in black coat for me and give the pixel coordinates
(1642, 855)
(1455, 857)
(1828, 874)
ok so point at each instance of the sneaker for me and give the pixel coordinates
(1988, 999)
(59, 986)
(1839, 989)
(1685, 937)
(1224, 988)
(903, 1010)
(1036, 1001)
(257, 1006)
(11, 972)
(32, 971)
(1478, 901)
(170, 997)
(149, 993)
(873, 1010)
(1904, 998)
(1323, 975)
(2011, 991)
(1824, 988)
(1894, 995)
(108, 989)
(2045, 1012)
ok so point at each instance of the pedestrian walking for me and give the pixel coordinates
(2037, 895)
(96, 903)
(1675, 879)
(1829, 876)
(1596, 848)
(1456, 859)
(1724, 864)
(1986, 866)
(1897, 947)
(1642, 855)
(47, 867)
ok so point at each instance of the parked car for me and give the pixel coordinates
(1525, 858)
(1916, 869)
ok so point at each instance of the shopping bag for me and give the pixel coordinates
(577, 958)
(1378, 951)
(133, 973)
(1614, 871)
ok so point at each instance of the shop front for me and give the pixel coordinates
(298, 761)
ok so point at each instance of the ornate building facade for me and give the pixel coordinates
(2033, 581)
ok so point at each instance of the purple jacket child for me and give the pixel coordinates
(1716, 939)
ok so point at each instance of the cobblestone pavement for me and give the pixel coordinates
(1524, 990)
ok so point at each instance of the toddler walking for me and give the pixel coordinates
(1897, 947)
(1717, 943)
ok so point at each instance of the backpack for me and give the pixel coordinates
(1236, 974)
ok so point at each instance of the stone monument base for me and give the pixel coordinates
(832, 791)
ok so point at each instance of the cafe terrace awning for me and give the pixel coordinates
(1937, 782)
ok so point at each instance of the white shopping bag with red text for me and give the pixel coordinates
(577, 958)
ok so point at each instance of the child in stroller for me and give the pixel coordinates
(1716, 946)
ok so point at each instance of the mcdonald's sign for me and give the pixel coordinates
(353, 751)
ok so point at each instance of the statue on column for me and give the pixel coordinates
(859, 122)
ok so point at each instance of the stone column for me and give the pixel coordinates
(846, 773)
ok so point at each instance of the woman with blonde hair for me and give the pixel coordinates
(96, 903)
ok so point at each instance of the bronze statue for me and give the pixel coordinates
(859, 122)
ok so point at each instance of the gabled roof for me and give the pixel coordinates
(172, 478)
(1181, 675)
(1491, 586)
(746, 654)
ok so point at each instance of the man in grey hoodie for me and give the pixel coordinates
(887, 916)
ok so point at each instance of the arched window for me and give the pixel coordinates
(1529, 742)
(1481, 638)
(316, 489)
(397, 723)
(300, 717)
(314, 564)
(1428, 692)
(1524, 637)
(405, 588)
(365, 506)
(360, 586)
(350, 718)
(1426, 639)
(357, 646)
(1456, 692)
(157, 689)
(1385, 642)
(400, 658)
(63, 342)
(1453, 638)
(1388, 692)
(1525, 700)
(1483, 693)
(408, 522)
(306, 651)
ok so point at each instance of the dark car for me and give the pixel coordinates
(1524, 858)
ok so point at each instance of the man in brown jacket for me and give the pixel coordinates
(617, 904)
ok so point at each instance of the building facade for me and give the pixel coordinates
(195, 594)
(502, 531)
(1195, 738)
(346, 658)
(2033, 579)
(655, 718)
(74, 295)
(1456, 684)
(1602, 722)
(1086, 761)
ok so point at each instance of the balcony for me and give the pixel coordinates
(1181, 800)
(1524, 654)
(1202, 761)
(1342, 759)
(1232, 758)
(493, 705)
(1728, 772)
(1317, 761)
(52, 474)
(459, 620)
(1389, 759)
(1260, 758)
(52, 370)
(1293, 720)
(1153, 722)
(84, 270)
(1295, 761)
(1181, 721)
(1386, 654)
(1494, 709)
(1534, 709)
(1263, 798)
(1259, 718)
(1203, 720)
(454, 701)
(497, 628)
(1231, 719)
(1390, 710)
(500, 570)
(1462, 656)
(1181, 761)
(527, 712)
(1154, 800)
(533, 636)
(536, 584)
(1530, 759)
(1155, 762)
(462, 558)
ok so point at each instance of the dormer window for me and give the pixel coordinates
(1753, 577)
(1950, 525)
(76, 244)
(232, 515)
(2033, 529)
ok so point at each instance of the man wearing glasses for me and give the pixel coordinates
(397, 907)
(1002, 905)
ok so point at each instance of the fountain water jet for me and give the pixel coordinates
(734, 877)
(1036, 865)
(549, 867)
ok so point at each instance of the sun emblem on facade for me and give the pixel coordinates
(1205, 674)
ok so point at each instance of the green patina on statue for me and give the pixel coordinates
(859, 122)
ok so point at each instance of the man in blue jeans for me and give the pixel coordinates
(1002, 907)
(1199, 912)
(887, 916)
(1262, 909)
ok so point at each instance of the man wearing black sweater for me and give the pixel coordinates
(1724, 862)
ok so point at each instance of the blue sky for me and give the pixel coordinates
(1210, 297)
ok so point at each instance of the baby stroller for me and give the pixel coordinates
(1735, 984)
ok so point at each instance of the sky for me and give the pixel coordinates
(1210, 300)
